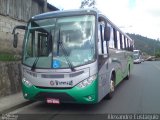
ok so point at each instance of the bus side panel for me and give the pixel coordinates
(117, 63)
(104, 80)
(129, 63)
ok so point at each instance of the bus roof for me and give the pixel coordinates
(88, 11)
(65, 13)
(136, 50)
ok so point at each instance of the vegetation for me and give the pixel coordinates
(8, 57)
(157, 54)
(88, 4)
(146, 45)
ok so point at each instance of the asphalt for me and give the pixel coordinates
(12, 102)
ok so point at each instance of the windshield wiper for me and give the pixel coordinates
(60, 44)
(34, 64)
(49, 49)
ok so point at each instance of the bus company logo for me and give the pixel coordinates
(61, 83)
(52, 83)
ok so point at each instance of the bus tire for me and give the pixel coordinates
(112, 87)
(128, 74)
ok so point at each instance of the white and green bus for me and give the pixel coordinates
(76, 56)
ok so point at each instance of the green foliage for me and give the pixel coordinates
(87, 3)
(157, 54)
(147, 45)
(8, 57)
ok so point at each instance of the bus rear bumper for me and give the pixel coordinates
(87, 95)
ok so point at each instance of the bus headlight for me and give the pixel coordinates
(87, 81)
(26, 82)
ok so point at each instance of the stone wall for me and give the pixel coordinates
(18, 12)
(6, 38)
(10, 78)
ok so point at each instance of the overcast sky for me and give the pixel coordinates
(133, 16)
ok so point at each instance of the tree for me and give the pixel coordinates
(88, 4)
(148, 45)
(157, 54)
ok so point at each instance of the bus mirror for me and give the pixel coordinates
(15, 40)
(107, 34)
(15, 35)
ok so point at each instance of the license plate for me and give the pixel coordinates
(53, 101)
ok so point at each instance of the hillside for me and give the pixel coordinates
(146, 45)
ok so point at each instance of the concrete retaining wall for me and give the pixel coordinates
(10, 78)
(6, 38)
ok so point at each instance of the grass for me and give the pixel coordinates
(7, 57)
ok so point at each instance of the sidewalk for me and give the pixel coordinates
(12, 102)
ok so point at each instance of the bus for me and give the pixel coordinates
(137, 56)
(76, 56)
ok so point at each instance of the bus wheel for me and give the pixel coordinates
(112, 88)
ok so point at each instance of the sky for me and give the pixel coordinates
(132, 16)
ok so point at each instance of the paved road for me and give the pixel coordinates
(141, 94)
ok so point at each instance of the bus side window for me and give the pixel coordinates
(111, 41)
(132, 45)
(102, 44)
(121, 47)
(118, 40)
(129, 45)
(124, 43)
(115, 38)
(99, 41)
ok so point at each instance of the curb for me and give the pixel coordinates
(11, 108)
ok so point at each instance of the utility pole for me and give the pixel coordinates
(45, 6)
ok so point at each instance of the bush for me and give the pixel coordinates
(8, 57)
(157, 53)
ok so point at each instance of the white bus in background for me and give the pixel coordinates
(137, 56)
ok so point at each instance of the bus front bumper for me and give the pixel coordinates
(87, 95)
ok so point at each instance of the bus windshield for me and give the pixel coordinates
(60, 42)
(136, 52)
(136, 56)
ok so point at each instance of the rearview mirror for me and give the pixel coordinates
(15, 40)
(15, 35)
(107, 33)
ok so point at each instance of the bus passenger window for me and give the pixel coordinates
(115, 37)
(118, 40)
(99, 41)
(126, 44)
(105, 47)
(123, 42)
(129, 45)
(102, 44)
(111, 41)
